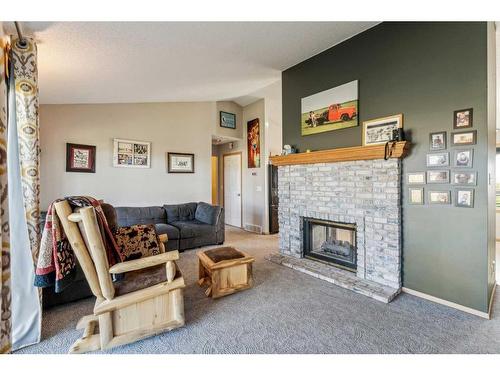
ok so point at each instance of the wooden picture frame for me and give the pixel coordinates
(462, 118)
(80, 158)
(227, 120)
(131, 154)
(180, 162)
(379, 131)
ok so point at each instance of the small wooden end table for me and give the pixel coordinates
(224, 270)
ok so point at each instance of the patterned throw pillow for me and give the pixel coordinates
(137, 241)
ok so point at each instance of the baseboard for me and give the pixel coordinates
(492, 297)
(447, 303)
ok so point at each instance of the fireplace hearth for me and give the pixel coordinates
(330, 241)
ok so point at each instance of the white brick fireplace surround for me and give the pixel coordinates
(362, 192)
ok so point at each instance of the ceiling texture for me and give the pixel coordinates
(124, 62)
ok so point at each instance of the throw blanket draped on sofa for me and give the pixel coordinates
(56, 261)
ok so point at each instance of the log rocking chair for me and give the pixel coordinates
(132, 311)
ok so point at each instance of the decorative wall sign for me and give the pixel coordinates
(328, 110)
(463, 158)
(437, 141)
(462, 118)
(416, 196)
(415, 178)
(439, 159)
(131, 154)
(227, 120)
(253, 143)
(178, 162)
(464, 138)
(439, 197)
(464, 178)
(464, 198)
(80, 158)
(379, 131)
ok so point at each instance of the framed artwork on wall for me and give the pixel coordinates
(379, 131)
(253, 143)
(462, 118)
(227, 120)
(415, 178)
(438, 177)
(466, 138)
(463, 158)
(80, 158)
(131, 154)
(416, 196)
(332, 109)
(464, 178)
(439, 197)
(438, 159)
(464, 198)
(178, 162)
(437, 141)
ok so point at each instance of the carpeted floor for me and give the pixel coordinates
(291, 312)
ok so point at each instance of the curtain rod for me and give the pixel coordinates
(22, 40)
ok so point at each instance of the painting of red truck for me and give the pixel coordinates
(332, 109)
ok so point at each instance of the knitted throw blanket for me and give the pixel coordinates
(56, 261)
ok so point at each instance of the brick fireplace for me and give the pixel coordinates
(362, 194)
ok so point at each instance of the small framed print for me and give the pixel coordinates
(80, 158)
(439, 159)
(463, 158)
(464, 198)
(438, 177)
(131, 154)
(227, 120)
(379, 131)
(415, 178)
(180, 162)
(464, 178)
(462, 118)
(466, 138)
(416, 196)
(439, 197)
(437, 141)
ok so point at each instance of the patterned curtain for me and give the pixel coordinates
(5, 296)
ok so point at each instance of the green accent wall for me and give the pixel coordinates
(425, 71)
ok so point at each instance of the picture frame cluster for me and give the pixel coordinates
(438, 163)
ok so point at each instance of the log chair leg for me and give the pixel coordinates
(89, 341)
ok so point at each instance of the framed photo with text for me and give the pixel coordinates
(178, 162)
(80, 158)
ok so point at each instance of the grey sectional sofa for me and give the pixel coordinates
(187, 225)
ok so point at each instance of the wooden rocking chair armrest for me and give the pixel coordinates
(163, 238)
(137, 264)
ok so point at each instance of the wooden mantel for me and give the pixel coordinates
(399, 150)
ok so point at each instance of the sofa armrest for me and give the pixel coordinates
(137, 264)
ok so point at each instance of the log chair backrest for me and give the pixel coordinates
(83, 233)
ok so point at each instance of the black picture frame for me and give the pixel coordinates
(70, 158)
(224, 124)
(459, 203)
(455, 122)
(182, 154)
(440, 148)
(473, 142)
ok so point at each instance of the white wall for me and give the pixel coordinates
(177, 127)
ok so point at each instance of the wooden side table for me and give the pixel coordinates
(224, 270)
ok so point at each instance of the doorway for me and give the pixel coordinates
(232, 188)
(215, 180)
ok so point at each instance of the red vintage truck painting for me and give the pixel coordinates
(334, 113)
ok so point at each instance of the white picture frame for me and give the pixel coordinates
(131, 154)
(379, 131)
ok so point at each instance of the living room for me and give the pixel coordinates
(196, 186)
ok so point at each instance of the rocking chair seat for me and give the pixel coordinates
(140, 279)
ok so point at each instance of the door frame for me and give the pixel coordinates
(241, 182)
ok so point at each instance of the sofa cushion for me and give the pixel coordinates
(171, 231)
(128, 216)
(180, 212)
(110, 214)
(206, 213)
(194, 228)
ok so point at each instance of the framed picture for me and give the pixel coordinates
(437, 141)
(379, 131)
(462, 118)
(333, 109)
(227, 120)
(438, 177)
(253, 143)
(439, 159)
(131, 154)
(415, 178)
(464, 198)
(464, 178)
(416, 196)
(463, 158)
(80, 158)
(180, 162)
(466, 138)
(439, 197)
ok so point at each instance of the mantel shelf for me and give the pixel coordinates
(399, 150)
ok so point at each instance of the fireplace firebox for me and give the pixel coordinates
(330, 241)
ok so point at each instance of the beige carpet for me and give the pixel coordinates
(291, 312)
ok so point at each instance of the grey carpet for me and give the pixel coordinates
(291, 312)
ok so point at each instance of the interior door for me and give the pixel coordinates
(232, 189)
(215, 180)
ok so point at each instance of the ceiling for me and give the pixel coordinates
(119, 62)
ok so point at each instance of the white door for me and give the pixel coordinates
(232, 189)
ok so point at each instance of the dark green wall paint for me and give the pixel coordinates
(425, 71)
